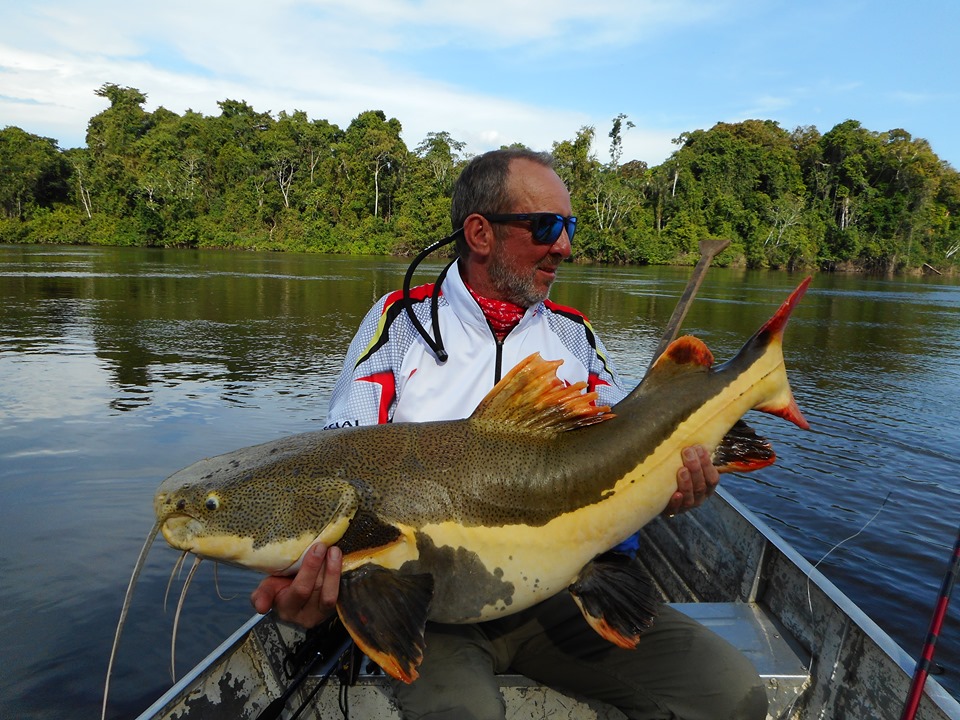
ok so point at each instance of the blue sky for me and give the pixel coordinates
(497, 71)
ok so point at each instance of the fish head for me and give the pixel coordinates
(258, 516)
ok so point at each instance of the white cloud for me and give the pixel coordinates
(285, 59)
(490, 72)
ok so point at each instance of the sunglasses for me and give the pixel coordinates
(545, 227)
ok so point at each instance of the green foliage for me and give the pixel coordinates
(34, 173)
(63, 224)
(14, 231)
(847, 198)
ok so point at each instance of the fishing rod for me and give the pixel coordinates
(347, 677)
(318, 648)
(926, 657)
(709, 249)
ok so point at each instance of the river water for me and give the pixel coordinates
(119, 366)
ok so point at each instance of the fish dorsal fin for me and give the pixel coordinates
(532, 397)
(685, 354)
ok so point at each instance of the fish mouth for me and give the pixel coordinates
(181, 530)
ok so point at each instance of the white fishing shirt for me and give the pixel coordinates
(391, 374)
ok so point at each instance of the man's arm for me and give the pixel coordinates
(364, 393)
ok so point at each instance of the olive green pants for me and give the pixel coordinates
(679, 670)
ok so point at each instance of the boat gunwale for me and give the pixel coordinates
(203, 667)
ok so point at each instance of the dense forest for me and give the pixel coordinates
(850, 198)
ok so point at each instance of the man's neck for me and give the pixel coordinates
(503, 316)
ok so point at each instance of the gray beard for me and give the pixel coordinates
(516, 288)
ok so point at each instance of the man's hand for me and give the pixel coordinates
(310, 596)
(697, 478)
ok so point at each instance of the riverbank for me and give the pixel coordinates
(733, 257)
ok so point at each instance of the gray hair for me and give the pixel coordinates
(482, 186)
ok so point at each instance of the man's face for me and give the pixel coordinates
(521, 270)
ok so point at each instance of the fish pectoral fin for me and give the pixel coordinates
(742, 450)
(385, 613)
(617, 598)
(371, 538)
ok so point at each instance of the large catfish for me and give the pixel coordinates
(468, 520)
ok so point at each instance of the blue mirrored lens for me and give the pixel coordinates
(548, 228)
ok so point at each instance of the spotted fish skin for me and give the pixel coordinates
(487, 515)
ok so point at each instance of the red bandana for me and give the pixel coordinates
(503, 316)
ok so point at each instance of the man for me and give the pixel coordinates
(485, 313)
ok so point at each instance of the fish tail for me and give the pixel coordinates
(775, 325)
(780, 400)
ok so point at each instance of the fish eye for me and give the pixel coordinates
(212, 502)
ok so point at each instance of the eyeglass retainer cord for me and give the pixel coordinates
(436, 345)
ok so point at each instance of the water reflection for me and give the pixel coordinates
(237, 328)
